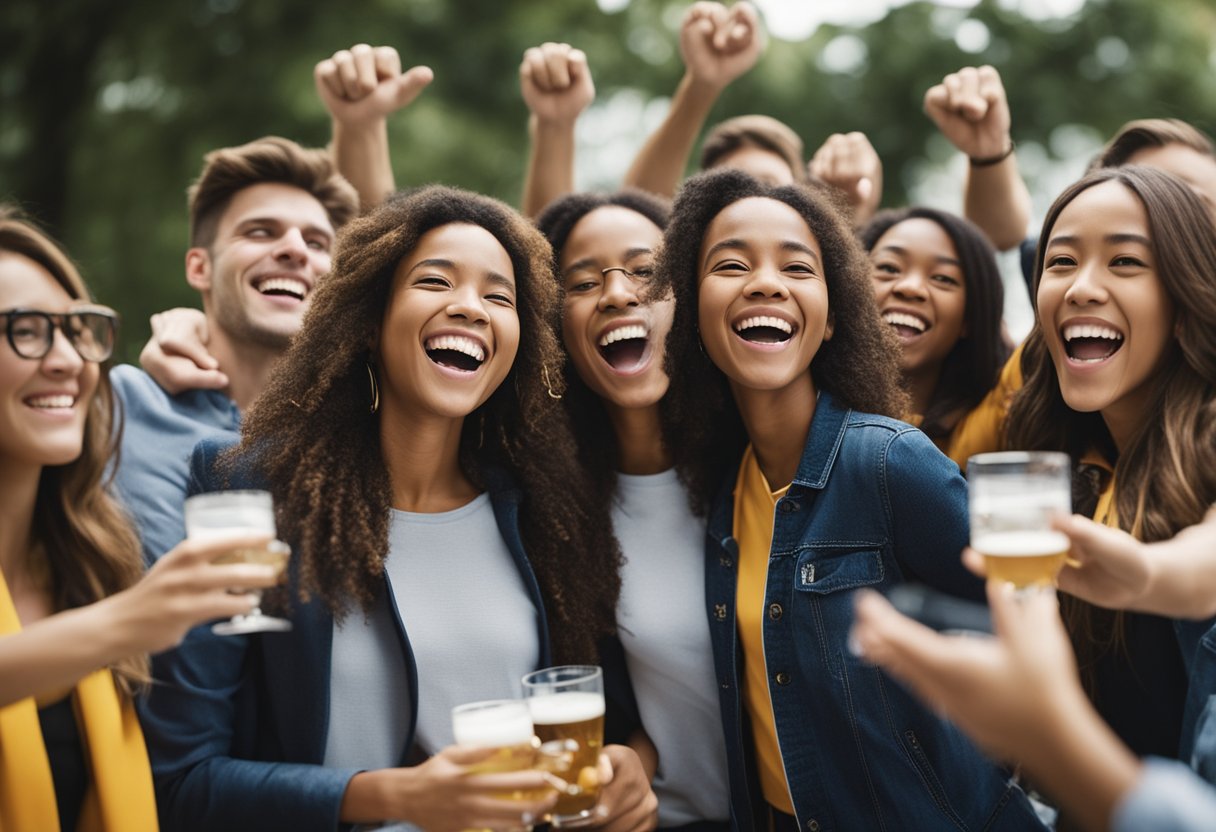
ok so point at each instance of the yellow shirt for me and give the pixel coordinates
(755, 503)
(983, 429)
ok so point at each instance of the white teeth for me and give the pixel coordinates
(458, 343)
(1090, 331)
(51, 402)
(765, 320)
(623, 333)
(284, 284)
(902, 319)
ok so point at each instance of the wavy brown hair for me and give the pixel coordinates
(597, 446)
(1165, 477)
(92, 549)
(972, 366)
(701, 423)
(312, 436)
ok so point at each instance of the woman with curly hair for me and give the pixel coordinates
(76, 620)
(424, 473)
(782, 410)
(937, 285)
(1120, 373)
(662, 680)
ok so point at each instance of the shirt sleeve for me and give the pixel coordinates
(1168, 797)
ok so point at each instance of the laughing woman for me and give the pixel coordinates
(1121, 374)
(781, 411)
(424, 473)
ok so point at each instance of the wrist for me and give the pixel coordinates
(993, 159)
(699, 90)
(371, 129)
(111, 628)
(367, 799)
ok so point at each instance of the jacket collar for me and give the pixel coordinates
(822, 442)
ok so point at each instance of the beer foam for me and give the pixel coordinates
(492, 727)
(564, 708)
(1021, 544)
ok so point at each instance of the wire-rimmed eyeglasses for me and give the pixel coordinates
(90, 330)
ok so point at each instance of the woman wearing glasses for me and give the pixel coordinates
(75, 620)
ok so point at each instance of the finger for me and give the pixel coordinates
(968, 100)
(1017, 616)
(411, 83)
(467, 755)
(745, 26)
(603, 768)
(906, 648)
(488, 811)
(182, 375)
(937, 100)
(538, 68)
(174, 343)
(347, 75)
(228, 576)
(326, 75)
(990, 87)
(528, 780)
(722, 26)
(577, 65)
(558, 64)
(202, 551)
(365, 68)
(388, 62)
(974, 562)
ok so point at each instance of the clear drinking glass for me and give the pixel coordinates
(567, 704)
(506, 726)
(1012, 498)
(225, 514)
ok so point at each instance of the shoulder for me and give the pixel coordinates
(203, 473)
(905, 453)
(134, 386)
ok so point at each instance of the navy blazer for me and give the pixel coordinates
(236, 726)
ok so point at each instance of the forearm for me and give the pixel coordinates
(659, 165)
(1183, 581)
(362, 156)
(365, 799)
(996, 200)
(550, 164)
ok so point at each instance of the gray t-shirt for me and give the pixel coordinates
(665, 632)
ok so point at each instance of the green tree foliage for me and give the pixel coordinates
(107, 108)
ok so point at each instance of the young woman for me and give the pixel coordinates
(784, 370)
(1120, 372)
(615, 336)
(938, 286)
(75, 620)
(424, 473)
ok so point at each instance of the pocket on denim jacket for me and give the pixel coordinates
(823, 571)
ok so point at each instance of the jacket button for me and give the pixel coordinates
(788, 506)
(720, 612)
(783, 678)
(725, 685)
(725, 561)
(774, 611)
(812, 825)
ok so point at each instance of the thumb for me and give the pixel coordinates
(466, 755)
(411, 83)
(863, 188)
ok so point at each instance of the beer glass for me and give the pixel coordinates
(567, 703)
(224, 514)
(1012, 498)
(504, 725)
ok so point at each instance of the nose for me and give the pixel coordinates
(467, 304)
(911, 285)
(618, 291)
(1088, 286)
(765, 282)
(62, 360)
(291, 247)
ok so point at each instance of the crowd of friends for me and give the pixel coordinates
(687, 431)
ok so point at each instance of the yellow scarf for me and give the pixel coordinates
(120, 796)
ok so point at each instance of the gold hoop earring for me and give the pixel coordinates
(371, 377)
(544, 368)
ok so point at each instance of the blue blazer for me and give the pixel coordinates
(236, 725)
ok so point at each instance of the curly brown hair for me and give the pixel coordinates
(597, 446)
(313, 437)
(92, 549)
(701, 423)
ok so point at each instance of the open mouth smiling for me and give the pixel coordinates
(1090, 343)
(764, 330)
(906, 324)
(282, 286)
(624, 348)
(455, 352)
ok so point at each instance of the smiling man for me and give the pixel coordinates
(262, 222)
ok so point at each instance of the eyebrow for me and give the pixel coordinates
(950, 261)
(442, 263)
(1072, 239)
(786, 245)
(587, 262)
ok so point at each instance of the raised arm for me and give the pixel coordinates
(361, 87)
(970, 108)
(176, 355)
(849, 163)
(555, 82)
(718, 45)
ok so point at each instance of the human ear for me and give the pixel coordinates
(198, 269)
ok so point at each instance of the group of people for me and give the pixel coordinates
(681, 439)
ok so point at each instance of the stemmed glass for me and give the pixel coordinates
(226, 514)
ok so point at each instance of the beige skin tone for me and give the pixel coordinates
(556, 85)
(1018, 695)
(916, 272)
(1099, 270)
(849, 163)
(1196, 169)
(764, 165)
(759, 258)
(36, 430)
(718, 45)
(970, 109)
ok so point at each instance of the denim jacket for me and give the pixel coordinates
(236, 725)
(873, 504)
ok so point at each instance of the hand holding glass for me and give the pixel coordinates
(224, 514)
(567, 703)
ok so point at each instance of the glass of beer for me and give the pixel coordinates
(506, 726)
(224, 514)
(567, 703)
(1012, 498)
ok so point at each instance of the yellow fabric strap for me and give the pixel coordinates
(120, 796)
(983, 429)
(1105, 512)
(753, 526)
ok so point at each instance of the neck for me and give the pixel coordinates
(778, 423)
(920, 386)
(423, 459)
(1123, 419)
(639, 439)
(247, 365)
(18, 495)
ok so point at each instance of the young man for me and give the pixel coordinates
(262, 222)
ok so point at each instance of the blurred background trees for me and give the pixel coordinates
(107, 108)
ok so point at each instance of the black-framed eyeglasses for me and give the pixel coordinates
(642, 274)
(90, 330)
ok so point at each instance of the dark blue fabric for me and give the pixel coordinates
(873, 503)
(1197, 640)
(236, 725)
